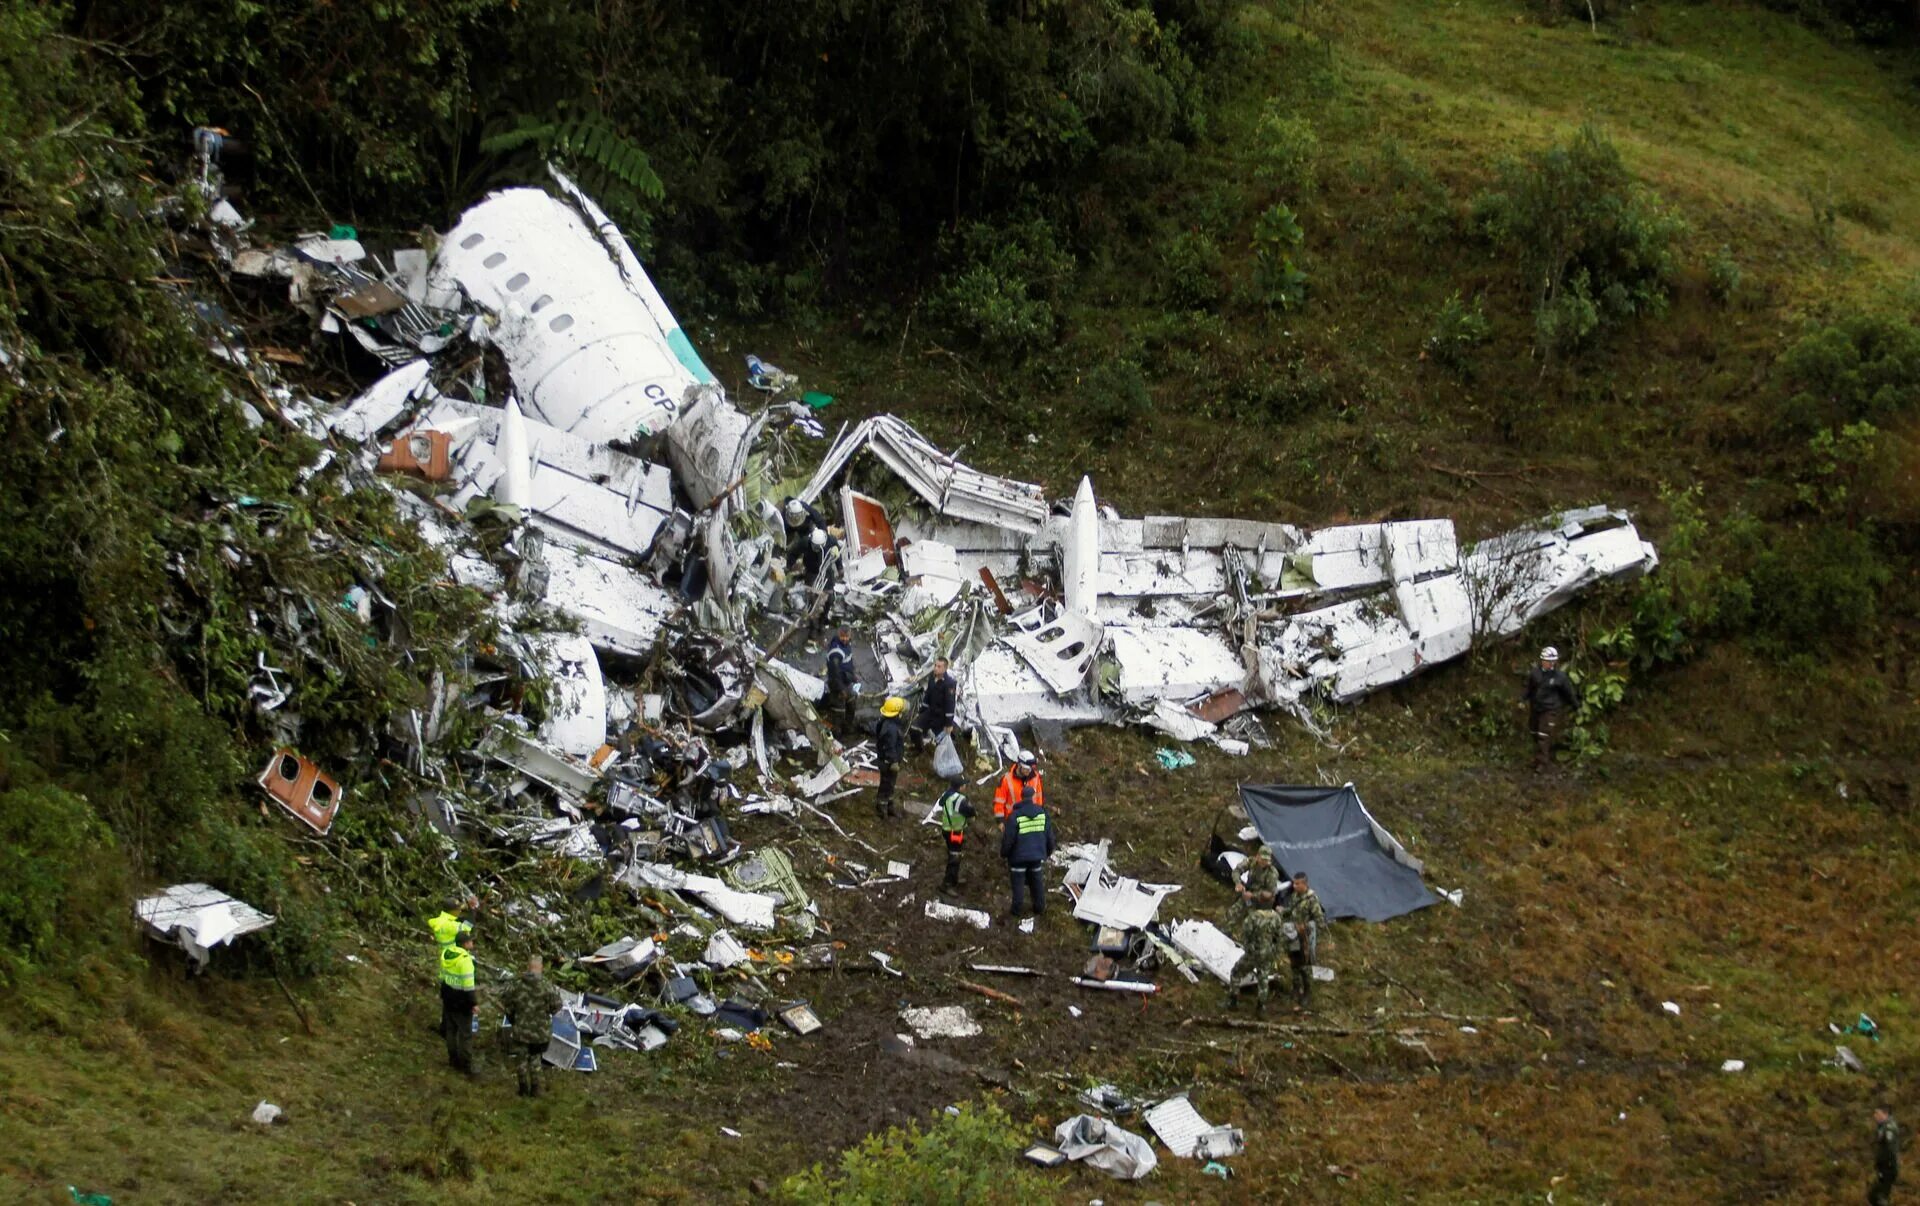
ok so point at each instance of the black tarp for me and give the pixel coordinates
(1357, 867)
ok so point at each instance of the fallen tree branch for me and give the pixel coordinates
(991, 994)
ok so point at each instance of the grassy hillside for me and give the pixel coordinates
(1738, 836)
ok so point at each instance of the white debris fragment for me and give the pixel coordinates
(940, 1021)
(1178, 1125)
(266, 1113)
(977, 918)
(724, 951)
(1671, 1007)
(197, 918)
(1208, 946)
(1734, 1065)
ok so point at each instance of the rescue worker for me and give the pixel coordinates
(954, 812)
(530, 1004)
(1549, 697)
(802, 522)
(1262, 880)
(890, 747)
(821, 546)
(1886, 1157)
(1262, 934)
(937, 705)
(1027, 840)
(459, 1002)
(452, 921)
(843, 683)
(1300, 923)
(1014, 784)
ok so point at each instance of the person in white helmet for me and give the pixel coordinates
(802, 522)
(1549, 696)
(1014, 784)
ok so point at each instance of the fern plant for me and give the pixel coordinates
(607, 163)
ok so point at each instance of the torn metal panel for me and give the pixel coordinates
(1518, 576)
(952, 489)
(1060, 650)
(619, 609)
(749, 910)
(576, 721)
(588, 353)
(1420, 547)
(1103, 1145)
(197, 918)
(1124, 903)
(708, 447)
(930, 570)
(1178, 1125)
(625, 959)
(1080, 555)
(1007, 691)
(1208, 946)
(302, 788)
(382, 402)
(1172, 663)
(530, 757)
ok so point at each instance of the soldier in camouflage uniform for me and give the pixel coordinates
(1262, 880)
(1260, 935)
(1886, 1157)
(1301, 921)
(530, 1003)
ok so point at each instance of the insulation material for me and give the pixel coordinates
(942, 1021)
(977, 918)
(1111, 1149)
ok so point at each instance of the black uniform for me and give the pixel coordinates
(1026, 842)
(841, 680)
(936, 708)
(1886, 1162)
(890, 747)
(1549, 696)
(800, 534)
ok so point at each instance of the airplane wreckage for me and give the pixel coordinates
(613, 483)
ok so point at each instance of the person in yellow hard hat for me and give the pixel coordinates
(890, 746)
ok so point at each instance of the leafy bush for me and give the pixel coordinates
(1596, 246)
(1286, 147)
(959, 1159)
(54, 881)
(1815, 587)
(1457, 329)
(1696, 592)
(1190, 270)
(1116, 398)
(1863, 368)
(1277, 280)
(1003, 293)
(1723, 275)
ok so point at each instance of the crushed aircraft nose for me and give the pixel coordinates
(197, 918)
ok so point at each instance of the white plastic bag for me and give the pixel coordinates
(946, 759)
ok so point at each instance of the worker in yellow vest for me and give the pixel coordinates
(459, 1002)
(452, 921)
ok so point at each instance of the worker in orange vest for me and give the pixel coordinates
(1006, 797)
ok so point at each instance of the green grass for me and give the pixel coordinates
(1708, 857)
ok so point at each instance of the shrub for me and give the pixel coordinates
(1003, 293)
(1277, 280)
(1863, 368)
(1190, 270)
(1116, 398)
(1815, 587)
(1598, 248)
(1694, 593)
(1457, 329)
(1285, 150)
(961, 1158)
(53, 875)
(1723, 275)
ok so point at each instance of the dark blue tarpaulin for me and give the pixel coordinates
(1357, 867)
